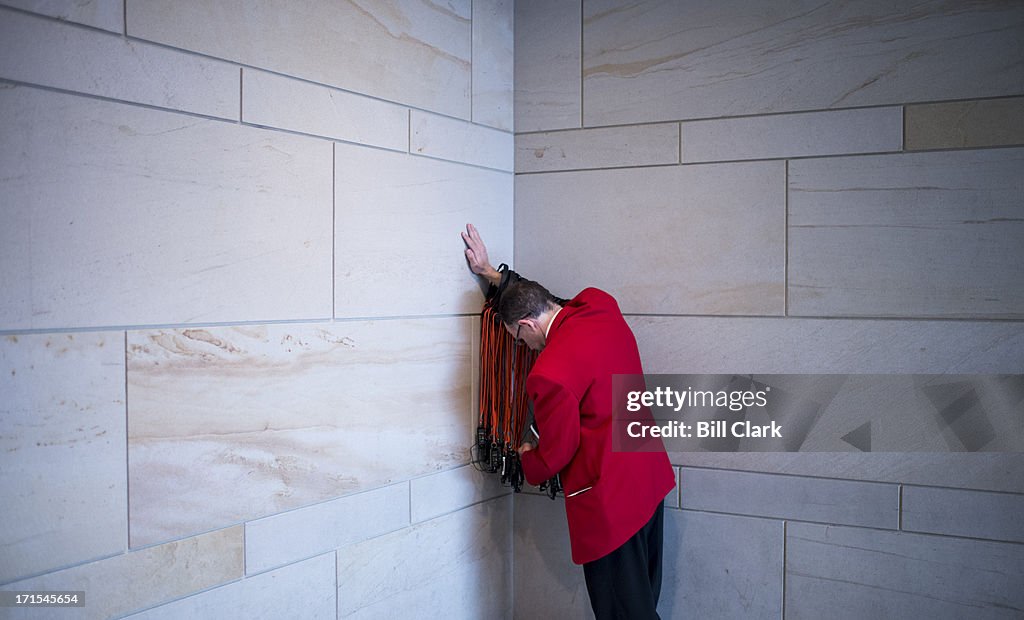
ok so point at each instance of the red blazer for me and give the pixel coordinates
(609, 495)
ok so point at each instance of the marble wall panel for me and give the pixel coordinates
(283, 538)
(493, 39)
(276, 101)
(660, 60)
(139, 579)
(137, 216)
(791, 497)
(105, 14)
(547, 584)
(1003, 472)
(62, 460)
(912, 235)
(672, 499)
(447, 491)
(857, 346)
(548, 92)
(774, 345)
(844, 572)
(303, 590)
(455, 566)
(964, 513)
(474, 400)
(414, 265)
(455, 140)
(231, 423)
(869, 130)
(721, 566)
(41, 51)
(606, 147)
(959, 124)
(415, 53)
(706, 239)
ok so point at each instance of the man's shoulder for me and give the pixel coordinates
(593, 298)
(592, 293)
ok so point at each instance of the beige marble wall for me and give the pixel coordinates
(415, 53)
(232, 423)
(397, 245)
(236, 321)
(62, 461)
(105, 14)
(121, 215)
(788, 188)
(957, 124)
(916, 235)
(661, 60)
(139, 579)
(42, 51)
(668, 240)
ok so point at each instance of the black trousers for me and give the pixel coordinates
(626, 583)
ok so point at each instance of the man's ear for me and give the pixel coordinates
(528, 322)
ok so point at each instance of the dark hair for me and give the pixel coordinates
(524, 299)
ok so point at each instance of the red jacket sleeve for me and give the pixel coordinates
(557, 413)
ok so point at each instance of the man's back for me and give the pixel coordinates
(609, 495)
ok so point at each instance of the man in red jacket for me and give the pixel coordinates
(613, 500)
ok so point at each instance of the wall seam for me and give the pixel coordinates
(785, 538)
(157, 326)
(334, 230)
(241, 92)
(785, 243)
(889, 530)
(472, 49)
(582, 124)
(903, 128)
(899, 509)
(679, 144)
(127, 456)
(876, 106)
(1009, 322)
(834, 478)
(834, 317)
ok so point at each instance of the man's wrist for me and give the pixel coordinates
(492, 275)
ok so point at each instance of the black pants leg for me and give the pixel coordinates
(626, 583)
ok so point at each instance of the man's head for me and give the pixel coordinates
(525, 309)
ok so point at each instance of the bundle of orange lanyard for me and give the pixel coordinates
(504, 406)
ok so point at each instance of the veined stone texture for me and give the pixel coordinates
(122, 215)
(42, 51)
(275, 101)
(398, 249)
(493, 58)
(966, 124)
(132, 581)
(706, 239)
(605, 147)
(301, 590)
(547, 65)
(844, 572)
(658, 60)
(908, 235)
(105, 14)
(460, 141)
(414, 53)
(62, 460)
(227, 424)
(455, 566)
